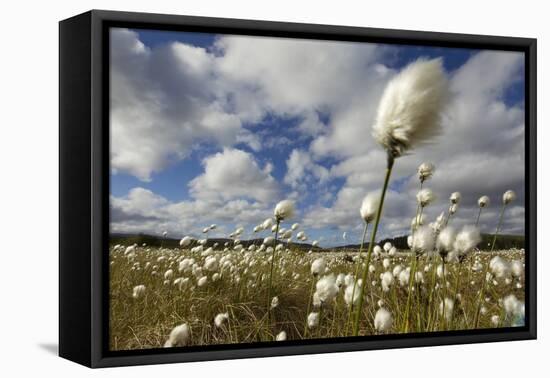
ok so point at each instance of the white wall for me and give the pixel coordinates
(28, 158)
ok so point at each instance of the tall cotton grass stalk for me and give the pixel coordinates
(368, 210)
(283, 210)
(482, 202)
(465, 242)
(425, 171)
(507, 198)
(424, 197)
(318, 267)
(423, 242)
(453, 207)
(409, 114)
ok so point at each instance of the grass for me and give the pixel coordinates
(145, 322)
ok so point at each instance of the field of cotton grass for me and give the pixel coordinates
(238, 291)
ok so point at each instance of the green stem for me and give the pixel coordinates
(478, 215)
(273, 255)
(335, 304)
(484, 277)
(498, 227)
(320, 320)
(443, 318)
(448, 216)
(357, 266)
(371, 245)
(415, 226)
(309, 304)
(430, 298)
(412, 275)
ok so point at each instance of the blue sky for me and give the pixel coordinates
(188, 105)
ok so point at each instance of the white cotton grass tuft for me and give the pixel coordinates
(409, 112)
(220, 319)
(410, 240)
(386, 280)
(508, 196)
(466, 240)
(425, 197)
(445, 240)
(513, 306)
(281, 336)
(168, 274)
(369, 206)
(340, 280)
(266, 224)
(425, 171)
(423, 240)
(274, 302)
(202, 281)
(211, 263)
(455, 198)
(284, 210)
(516, 267)
(483, 201)
(318, 266)
(327, 288)
(270, 240)
(130, 249)
(383, 320)
(446, 308)
(500, 267)
(138, 291)
(313, 320)
(404, 277)
(179, 336)
(353, 292)
(396, 270)
(186, 241)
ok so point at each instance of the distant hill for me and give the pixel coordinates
(157, 241)
(503, 242)
(400, 242)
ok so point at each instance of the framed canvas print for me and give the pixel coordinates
(233, 188)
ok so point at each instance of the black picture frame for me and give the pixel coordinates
(84, 186)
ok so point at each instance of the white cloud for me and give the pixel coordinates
(234, 174)
(302, 170)
(167, 100)
(481, 151)
(163, 102)
(144, 211)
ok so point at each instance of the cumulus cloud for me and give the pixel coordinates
(301, 170)
(480, 152)
(167, 101)
(163, 102)
(231, 174)
(141, 210)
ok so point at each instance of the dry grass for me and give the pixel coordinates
(146, 322)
